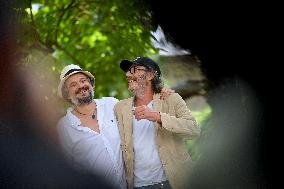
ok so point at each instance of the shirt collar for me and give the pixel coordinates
(75, 121)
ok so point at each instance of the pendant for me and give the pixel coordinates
(94, 116)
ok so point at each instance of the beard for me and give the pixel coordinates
(84, 100)
(139, 89)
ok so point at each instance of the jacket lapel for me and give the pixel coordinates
(127, 123)
(157, 107)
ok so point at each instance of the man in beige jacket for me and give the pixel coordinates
(152, 130)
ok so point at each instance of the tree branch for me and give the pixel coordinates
(68, 54)
(61, 17)
(38, 40)
(36, 34)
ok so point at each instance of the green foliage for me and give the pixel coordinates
(202, 118)
(96, 35)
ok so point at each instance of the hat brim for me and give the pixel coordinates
(125, 65)
(65, 78)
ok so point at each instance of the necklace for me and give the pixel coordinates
(93, 116)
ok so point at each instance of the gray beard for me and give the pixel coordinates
(139, 92)
(83, 101)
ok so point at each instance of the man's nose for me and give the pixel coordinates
(128, 73)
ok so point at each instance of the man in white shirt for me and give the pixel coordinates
(88, 132)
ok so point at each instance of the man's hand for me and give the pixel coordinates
(144, 112)
(165, 93)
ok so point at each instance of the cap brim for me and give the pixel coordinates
(125, 65)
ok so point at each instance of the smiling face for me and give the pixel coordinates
(139, 78)
(80, 90)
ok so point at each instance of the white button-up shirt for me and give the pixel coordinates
(86, 149)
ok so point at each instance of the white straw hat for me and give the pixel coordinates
(67, 72)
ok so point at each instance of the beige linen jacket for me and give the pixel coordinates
(177, 124)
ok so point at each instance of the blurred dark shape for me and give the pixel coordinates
(231, 43)
(26, 159)
(230, 155)
(28, 162)
(221, 35)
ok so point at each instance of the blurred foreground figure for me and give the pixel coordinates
(27, 160)
(231, 153)
(243, 85)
